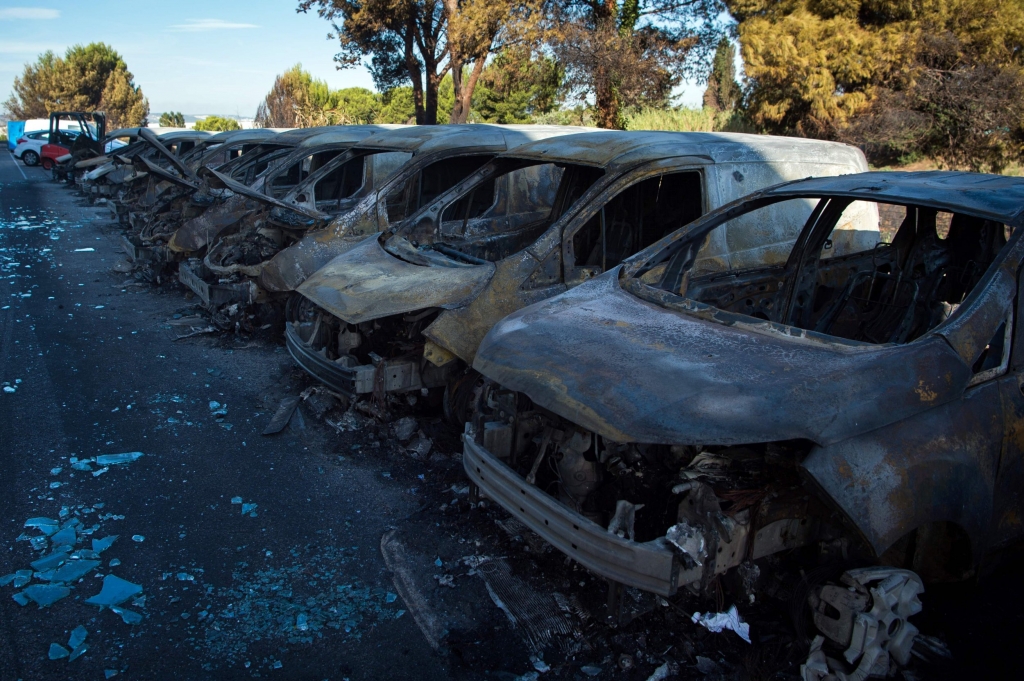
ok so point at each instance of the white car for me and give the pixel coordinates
(31, 143)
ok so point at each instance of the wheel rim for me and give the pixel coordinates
(30, 158)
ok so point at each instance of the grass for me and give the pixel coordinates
(683, 119)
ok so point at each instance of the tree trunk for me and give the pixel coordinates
(605, 97)
(464, 91)
(430, 105)
(413, 66)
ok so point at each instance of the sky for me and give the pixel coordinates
(212, 57)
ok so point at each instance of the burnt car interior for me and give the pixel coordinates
(429, 183)
(500, 214)
(637, 217)
(284, 182)
(893, 292)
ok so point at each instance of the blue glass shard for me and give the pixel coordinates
(58, 652)
(46, 594)
(114, 592)
(75, 569)
(78, 635)
(51, 561)
(47, 525)
(78, 652)
(109, 459)
(66, 537)
(101, 545)
(129, 616)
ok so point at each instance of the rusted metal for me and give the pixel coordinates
(511, 255)
(913, 434)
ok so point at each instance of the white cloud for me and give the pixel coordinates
(28, 13)
(199, 25)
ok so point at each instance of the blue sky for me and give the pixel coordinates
(212, 57)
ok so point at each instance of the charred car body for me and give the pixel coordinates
(406, 311)
(690, 412)
(347, 195)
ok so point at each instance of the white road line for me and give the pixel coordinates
(18, 166)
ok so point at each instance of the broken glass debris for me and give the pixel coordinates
(99, 472)
(56, 471)
(101, 545)
(51, 561)
(78, 652)
(45, 525)
(129, 616)
(248, 508)
(58, 652)
(138, 538)
(66, 536)
(115, 562)
(114, 459)
(78, 635)
(19, 578)
(76, 569)
(46, 595)
(236, 500)
(114, 592)
(20, 598)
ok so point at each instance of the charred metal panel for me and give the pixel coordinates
(461, 330)
(939, 465)
(196, 233)
(636, 372)
(368, 283)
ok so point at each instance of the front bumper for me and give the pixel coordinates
(347, 377)
(650, 566)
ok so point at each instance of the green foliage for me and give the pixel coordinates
(516, 88)
(944, 78)
(217, 124)
(172, 119)
(86, 78)
(723, 93)
(398, 106)
(683, 119)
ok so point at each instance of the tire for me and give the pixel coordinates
(47, 164)
(30, 158)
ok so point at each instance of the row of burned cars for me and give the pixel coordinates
(685, 360)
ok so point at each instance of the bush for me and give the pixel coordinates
(217, 124)
(683, 119)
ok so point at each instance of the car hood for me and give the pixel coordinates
(368, 283)
(634, 371)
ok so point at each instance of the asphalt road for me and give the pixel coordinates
(297, 588)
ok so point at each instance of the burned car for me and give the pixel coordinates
(406, 311)
(383, 177)
(274, 176)
(693, 411)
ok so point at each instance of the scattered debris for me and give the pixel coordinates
(720, 621)
(117, 459)
(282, 416)
(115, 591)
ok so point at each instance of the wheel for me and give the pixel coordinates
(30, 158)
(47, 164)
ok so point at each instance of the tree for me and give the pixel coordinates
(299, 100)
(629, 53)
(172, 119)
(86, 78)
(217, 124)
(419, 42)
(723, 93)
(937, 77)
(515, 87)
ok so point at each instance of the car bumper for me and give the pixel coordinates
(650, 566)
(351, 379)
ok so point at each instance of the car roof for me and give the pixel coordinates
(178, 134)
(243, 136)
(617, 149)
(424, 139)
(994, 197)
(348, 134)
(294, 136)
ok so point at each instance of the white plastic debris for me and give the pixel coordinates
(85, 250)
(112, 459)
(720, 621)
